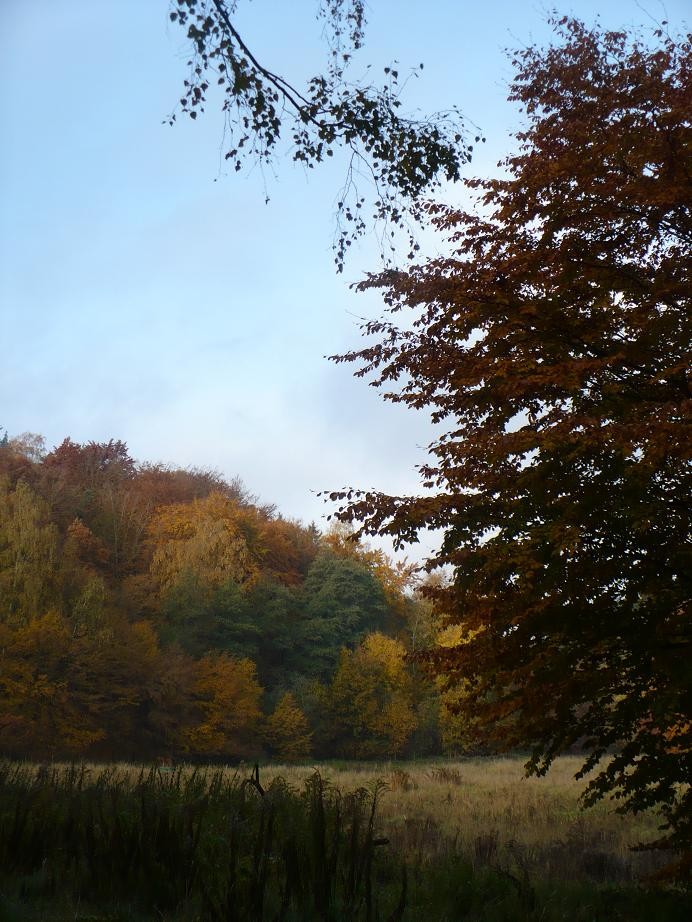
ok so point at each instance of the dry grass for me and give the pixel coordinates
(471, 839)
(486, 810)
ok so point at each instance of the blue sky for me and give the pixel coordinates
(146, 295)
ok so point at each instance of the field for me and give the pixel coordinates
(489, 812)
(439, 841)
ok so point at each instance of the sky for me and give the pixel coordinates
(146, 295)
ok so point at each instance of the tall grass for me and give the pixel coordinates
(380, 843)
(487, 811)
(190, 844)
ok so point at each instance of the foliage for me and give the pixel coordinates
(343, 601)
(288, 549)
(146, 610)
(227, 712)
(30, 444)
(27, 552)
(399, 157)
(369, 701)
(274, 612)
(209, 539)
(68, 692)
(396, 579)
(288, 732)
(552, 343)
(34, 689)
(95, 484)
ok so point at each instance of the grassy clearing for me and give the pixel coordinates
(487, 811)
(469, 840)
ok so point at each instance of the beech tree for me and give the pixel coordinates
(552, 345)
(392, 158)
(227, 715)
(28, 547)
(210, 539)
(370, 701)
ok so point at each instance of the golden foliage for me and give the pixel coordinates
(213, 538)
(288, 731)
(370, 698)
(28, 551)
(227, 712)
(36, 706)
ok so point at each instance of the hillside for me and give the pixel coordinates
(152, 611)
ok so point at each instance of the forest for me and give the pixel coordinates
(169, 642)
(149, 611)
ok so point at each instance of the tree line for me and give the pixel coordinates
(149, 611)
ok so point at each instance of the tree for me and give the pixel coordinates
(72, 688)
(552, 343)
(288, 732)
(30, 444)
(114, 673)
(227, 708)
(394, 578)
(459, 727)
(342, 602)
(162, 485)
(399, 158)
(28, 554)
(95, 482)
(370, 699)
(288, 550)
(212, 540)
(38, 713)
(14, 464)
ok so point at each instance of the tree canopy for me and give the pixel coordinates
(552, 346)
(393, 159)
(150, 611)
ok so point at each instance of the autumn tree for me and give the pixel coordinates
(369, 701)
(164, 485)
(69, 689)
(74, 475)
(28, 554)
(227, 713)
(288, 549)
(213, 599)
(288, 731)
(115, 669)
(197, 548)
(31, 445)
(396, 157)
(95, 482)
(155, 486)
(14, 464)
(210, 539)
(461, 728)
(38, 713)
(552, 344)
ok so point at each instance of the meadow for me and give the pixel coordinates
(441, 841)
(488, 811)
